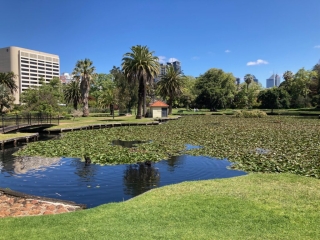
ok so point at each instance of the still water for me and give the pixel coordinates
(93, 185)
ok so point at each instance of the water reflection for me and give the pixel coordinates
(127, 144)
(85, 172)
(138, 178)
(22, 165)
(173, 162)
(70, 179)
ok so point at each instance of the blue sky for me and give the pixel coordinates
(239, 36)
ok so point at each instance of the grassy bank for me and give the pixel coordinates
(257, 206)
(86, 121)
(14, 135)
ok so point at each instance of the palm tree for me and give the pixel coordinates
(6, 99)
(140, 66)
(8, 80)
(170, 85)
(84, 72)
(72, 93)
(248, 78)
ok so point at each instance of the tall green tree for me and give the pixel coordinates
(189, 93)
(108, 96)
(247, 98)
(274, 98)
(288, 77)
(171, 86)
(84, 72)
(216, 89)
(140, 66)
(99, 81)
(43, 98)
(8, 80)
(127, 91)
(316, 69)
(72, 94)
(300, 87)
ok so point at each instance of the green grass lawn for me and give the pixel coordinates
(14, 135)
(86, 121)
(256, 206)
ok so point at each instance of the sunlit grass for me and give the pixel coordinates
(14, 135)
(257, 206)
(86, 121)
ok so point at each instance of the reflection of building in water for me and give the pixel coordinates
(24, 164)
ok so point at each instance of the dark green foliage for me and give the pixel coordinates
(72, 94)
(8, 80)
(274, 98)
(140, 66)
(127, 91)
(216, 89)
(170, 86)
(44, 98)
(257, 145)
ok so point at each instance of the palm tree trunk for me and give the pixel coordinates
(144, 98)
(170, 101)
(85, 95)
(140, 100)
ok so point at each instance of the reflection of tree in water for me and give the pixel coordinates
(173, 162)
(139, 178)
(86, 173)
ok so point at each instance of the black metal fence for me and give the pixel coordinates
(26, 119)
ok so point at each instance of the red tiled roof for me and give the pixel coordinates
(159, 104)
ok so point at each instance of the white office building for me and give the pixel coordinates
(30, 66)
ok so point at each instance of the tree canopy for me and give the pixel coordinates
(140, 65)
(274, 98)
(171, 85)
(216, 89)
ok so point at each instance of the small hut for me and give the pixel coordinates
(159, 109)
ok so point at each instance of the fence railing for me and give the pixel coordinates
(27, 119)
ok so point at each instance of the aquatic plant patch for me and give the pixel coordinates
(286, 144)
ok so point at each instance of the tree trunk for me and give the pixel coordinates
(85, 87)
(140, 100)
(144, 98)
(170, 101)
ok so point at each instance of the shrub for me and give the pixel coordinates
(76, 113)
(250, 114)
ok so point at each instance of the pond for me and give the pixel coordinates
(93, 185)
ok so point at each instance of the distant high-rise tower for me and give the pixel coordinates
(176, 65)
(273, 81)
(255, 79)
(162, 71)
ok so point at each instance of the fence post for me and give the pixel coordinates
(2, 123)
(17, 120)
